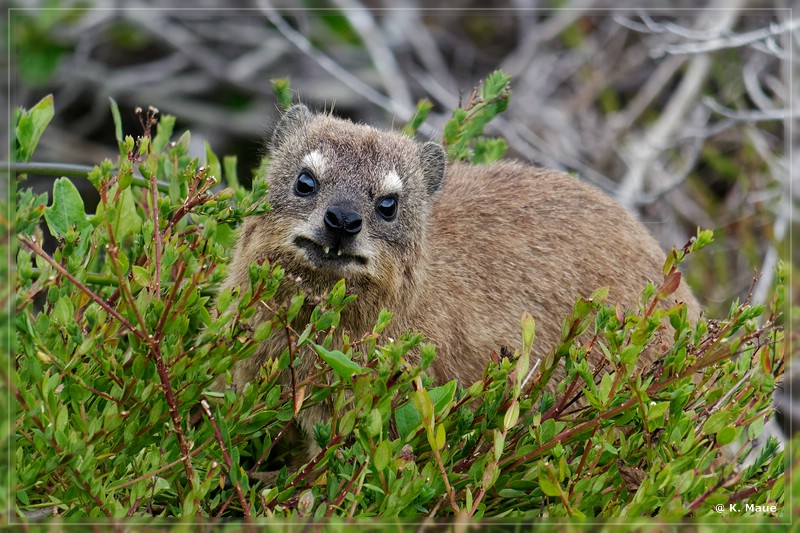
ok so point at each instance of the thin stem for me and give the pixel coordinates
(352, 511)
(69, 170)
(595, 422)
(270, 447)
(171, 299)
(125, 289)
(173, 411)
(225, 455)
(153, 473)
(448, 488)
(335, 441)
(163, 374)
(158, 236)
(482, 491)
(579, 470)
(292, 372)
(99, 301)
(747, 493)
(339, 499)
(93, 278)
(698, 501)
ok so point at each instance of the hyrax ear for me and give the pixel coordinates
(433, 165)
(291, 121)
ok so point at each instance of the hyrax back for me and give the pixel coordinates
(458, 255)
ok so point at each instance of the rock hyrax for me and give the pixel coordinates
(455, 251)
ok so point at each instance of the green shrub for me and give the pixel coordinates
(119, 335)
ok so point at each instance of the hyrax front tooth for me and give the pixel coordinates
(326, 249)
(339, 252)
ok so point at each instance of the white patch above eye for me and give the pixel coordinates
(392, 183)
(315, 162)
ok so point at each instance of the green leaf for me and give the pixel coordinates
(373, 423)
(424, 405)
(263, 331)
(703, 239)
(528, 332)
(547, 430)
(727, 435)
(63, 311)
(337, 293)
(29, 211)
(424, 107)
(101, 173)
(339, 362)
(140, 276)
(629, 354)
(382, 455)
(604, 389)
(31, 126)
(495, 84)
(117, 120)
(511, 416)
(384, 318)
(126, 220)
(229, 168)
(489, 475)
(139, 366)
(347, 422)
(441, 437)
(489, 150)
(294, 306)
(716, 422)
(407, 417)
(212, 161)
(67, 209)
(442, 396)
(282, 89)
(547, 483)
(499, 444)
(599, 295)
(427, 353)
(755, 428)
(655, 412)
(164, 129)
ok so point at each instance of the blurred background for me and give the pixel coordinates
(684, 116)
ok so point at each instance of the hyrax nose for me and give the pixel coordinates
(342, 222)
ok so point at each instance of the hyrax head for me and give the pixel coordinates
(348, 201)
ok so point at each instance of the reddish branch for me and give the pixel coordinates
(157, 235)
(339, 499)
(83, 288)
(226, 455)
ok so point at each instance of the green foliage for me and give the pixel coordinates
(462, 134)
(116, 415)
(30, 126)
(424, 107)
(283, 92)
(36, 41)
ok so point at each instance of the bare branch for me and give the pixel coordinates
(383, 58)
(333, 68)
(643, 151)
(729, 41)
(751, 116)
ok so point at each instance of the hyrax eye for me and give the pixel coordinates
(386, 207)
(305, 184)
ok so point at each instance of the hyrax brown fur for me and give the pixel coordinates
(457, 252)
